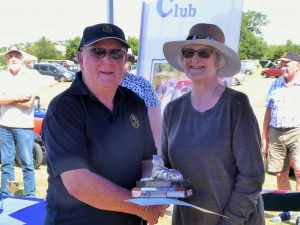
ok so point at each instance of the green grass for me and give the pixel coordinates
(270, 183)
(41, 187)
(41, 175)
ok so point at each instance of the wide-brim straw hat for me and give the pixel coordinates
(204, 34)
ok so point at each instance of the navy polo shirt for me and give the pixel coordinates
(80, 132)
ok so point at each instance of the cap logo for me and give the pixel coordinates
(107, 29)
(10, 48)
(13, 48)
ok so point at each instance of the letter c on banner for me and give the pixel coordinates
(160, 10)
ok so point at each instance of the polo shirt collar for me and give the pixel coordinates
(78, 87)
(296, 81)
(22, 70)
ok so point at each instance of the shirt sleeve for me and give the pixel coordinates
(150, 96)
(268, 102)
(143, 88)
(64, 136)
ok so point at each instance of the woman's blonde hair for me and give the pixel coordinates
(219, 63)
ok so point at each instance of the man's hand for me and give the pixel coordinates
(264, 144)
(23, 97)
(154, 212)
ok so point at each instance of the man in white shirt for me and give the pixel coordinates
(17, 94)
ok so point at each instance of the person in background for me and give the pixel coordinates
(211, 134)
(109, 140)
(144, 89)
(129, 61)
(281, 127)
(161, 89)
(18, 88)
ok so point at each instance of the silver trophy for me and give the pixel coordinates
(164, 182)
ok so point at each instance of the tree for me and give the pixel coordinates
(253, 21)
(2, 60)
(289, 46)
(251, 47)
(71, 48)
(42, 49)
(279, 50)
(251, 44)
(134, 44)
(3, 49)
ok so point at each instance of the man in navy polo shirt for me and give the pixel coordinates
(98, 139)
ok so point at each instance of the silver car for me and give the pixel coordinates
(238, 78)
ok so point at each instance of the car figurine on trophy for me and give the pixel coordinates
(163, 183)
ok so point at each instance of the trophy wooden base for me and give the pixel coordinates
(162, 192)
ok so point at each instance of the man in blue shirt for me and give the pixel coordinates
(281, 127)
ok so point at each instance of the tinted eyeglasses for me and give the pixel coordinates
(202, 53)
(100, 53)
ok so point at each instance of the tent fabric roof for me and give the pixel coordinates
(28, 57)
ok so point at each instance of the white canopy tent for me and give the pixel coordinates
(28, 59)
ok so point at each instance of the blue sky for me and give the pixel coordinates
(29, 20)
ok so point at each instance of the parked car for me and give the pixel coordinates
(238, 78)
(57, 71)
(249, 62)
(247, 69)
(274, 71)
(73, 68)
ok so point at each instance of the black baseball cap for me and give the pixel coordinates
(100, 32)
(290, 56)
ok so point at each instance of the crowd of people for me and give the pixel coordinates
(117, 126)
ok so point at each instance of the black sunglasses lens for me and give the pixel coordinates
(98, 52)
(188, 53)
(204, 53)
(117, 53)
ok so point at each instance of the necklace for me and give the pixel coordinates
(202, 104)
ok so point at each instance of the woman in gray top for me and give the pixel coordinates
(211, 134)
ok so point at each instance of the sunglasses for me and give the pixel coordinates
(100, 53)
(202, 53)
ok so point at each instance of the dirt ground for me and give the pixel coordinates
(48, 93)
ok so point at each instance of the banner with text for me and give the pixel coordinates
(170, 20)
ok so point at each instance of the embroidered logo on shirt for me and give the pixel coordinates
(134, 121)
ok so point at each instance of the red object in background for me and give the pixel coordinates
(274, 71)
(37, 125)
